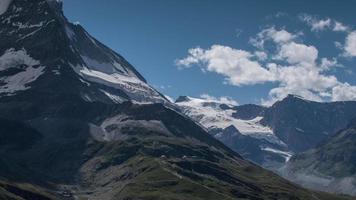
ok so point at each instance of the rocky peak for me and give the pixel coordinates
(182, 99)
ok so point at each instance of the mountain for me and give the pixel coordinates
(77, 121)
(303, 124)
(330, 167)
(269, 136)
(46, 66)
(239, 128)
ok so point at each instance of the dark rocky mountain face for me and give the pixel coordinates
(72, 126)
(61, 48)
(303, 124)
(248, 111)
(331, 166)
(252, 148)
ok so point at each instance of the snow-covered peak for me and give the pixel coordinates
(219, 118)
(213, 113)
(40, 29)
(4, 4)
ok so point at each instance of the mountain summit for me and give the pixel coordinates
(52, 52)
(77, 121)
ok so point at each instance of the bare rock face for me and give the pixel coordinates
(329, 167)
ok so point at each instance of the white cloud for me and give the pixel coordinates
(315, 23)
(318, 24)
(344, 92)
(235, 65)
(278, 36)
(295, 67)
(327, 64)
(350, 44)
(303, 80)
(296, 53)
(338, 26)
(221, 100)
(338, 45)
(260, 55)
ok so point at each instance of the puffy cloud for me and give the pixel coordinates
(338, 26)
(296, 53)
(278, 36)
(260, 55)
(235, 65)
(221, 100)
(315, 23)
(344, 92)
(295, 67)
(303, 80)
(327, 64)
(350, 44)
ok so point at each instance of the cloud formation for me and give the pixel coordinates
(294, 66)
(236, 65)
(220, 100)
(350, 44)
(318, 24)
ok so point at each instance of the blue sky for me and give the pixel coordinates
(155, 36)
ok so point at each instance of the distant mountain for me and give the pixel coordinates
(269, 136)
(303, 124)
(239, 128)
(330, 167)
(77, 121)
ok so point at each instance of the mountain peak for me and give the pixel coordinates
(66, 54)
(293, 96)
(182, 99)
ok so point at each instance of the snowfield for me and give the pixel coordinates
(210, 115)
(29, 71)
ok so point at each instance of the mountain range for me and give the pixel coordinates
(77, 121)
(269, 136)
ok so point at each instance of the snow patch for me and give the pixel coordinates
(12, 58)
(29, 70)
(116, 128)
(300, 130)
(285, 154)
(4, 5)
(70, 33)
(20, 80)
(114, 98)
(108, 68)
(210, 115)
(136, 89)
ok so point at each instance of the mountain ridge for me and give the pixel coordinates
(291, 123)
